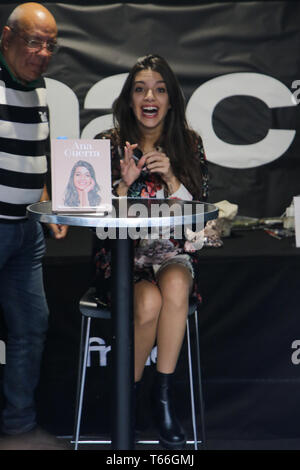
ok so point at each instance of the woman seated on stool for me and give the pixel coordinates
(156, 155)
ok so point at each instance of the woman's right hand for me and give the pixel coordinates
(130, 169)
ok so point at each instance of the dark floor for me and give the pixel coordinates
(66, 442)
(214, 445)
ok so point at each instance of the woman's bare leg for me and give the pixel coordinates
(175, 282)
(147, 306)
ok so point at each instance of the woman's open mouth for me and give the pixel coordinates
(150, 111)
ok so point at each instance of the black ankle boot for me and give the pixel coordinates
(171, 434)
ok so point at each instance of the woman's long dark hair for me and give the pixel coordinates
(177, 140)
(71, 194)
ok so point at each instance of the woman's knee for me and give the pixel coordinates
(175, 282)
(147, 303)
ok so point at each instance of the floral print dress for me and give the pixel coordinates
(149, 254)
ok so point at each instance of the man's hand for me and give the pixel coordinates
(58, 231)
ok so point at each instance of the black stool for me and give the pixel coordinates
(89, 309)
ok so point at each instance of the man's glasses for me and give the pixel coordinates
(36, 45)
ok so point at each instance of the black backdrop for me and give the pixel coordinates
(238, 64)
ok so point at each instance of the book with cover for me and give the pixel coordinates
(81, 175)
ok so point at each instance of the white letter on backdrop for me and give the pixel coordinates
(101, 96)
(64, 110)
(204, 100)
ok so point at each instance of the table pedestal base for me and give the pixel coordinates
(122, 344)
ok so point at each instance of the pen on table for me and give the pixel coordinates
(272, 233)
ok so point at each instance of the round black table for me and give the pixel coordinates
(129, 219)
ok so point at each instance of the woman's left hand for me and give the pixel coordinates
(158, 162)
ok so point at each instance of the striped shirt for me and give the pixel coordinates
(24, 129)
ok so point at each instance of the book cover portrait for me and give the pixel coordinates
(81, 175)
